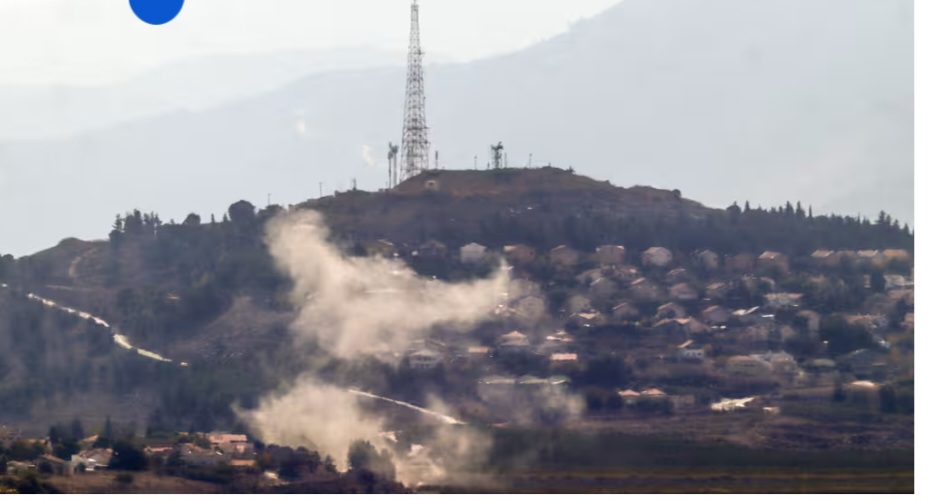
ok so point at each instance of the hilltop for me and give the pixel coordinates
(768, 100)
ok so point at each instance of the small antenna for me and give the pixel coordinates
(320, 189)
(475, 162)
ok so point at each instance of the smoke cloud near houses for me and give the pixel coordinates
(356, 308)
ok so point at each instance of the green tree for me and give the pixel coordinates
(363, 456)
(888, 399)
(127, 457)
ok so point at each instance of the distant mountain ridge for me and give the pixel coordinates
(726, 100)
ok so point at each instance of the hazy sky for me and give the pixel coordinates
(99, 41)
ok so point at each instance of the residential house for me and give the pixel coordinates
(657, 257)
(425, 359)
(894, 282)
(95, 459)
(871, 322)
(16, 468)
(782, 300)
(892, 254)
(513, 343)
(554, 344)
(578, 303)
(774, 261)
(193, 455)
(629, 397)
(644, 290)
(748, 366)
(906, 295)
(478, 352)
(681, 327)
(780, 363)
(677, 275)
(715, 315)
(872, 257)
(689, 351)
(717, 291)
(564, 256)
(587, 319)
(220, 438)
(684, 293)
(827, 258)
(472, 253)
(563, 358)
(520, 255)
(161, 451)
(433, 249)
(708, 260)
(603, 288)
(653, 393)
(671, 310)
(729, 405)
(864, 363)
(624, 311)
(610, 255)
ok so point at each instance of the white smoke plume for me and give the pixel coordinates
(360, 306)
(312, 414)
(353, 307)
(368, 156)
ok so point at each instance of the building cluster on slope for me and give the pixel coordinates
(735, 315)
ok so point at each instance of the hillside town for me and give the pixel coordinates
(699, 332)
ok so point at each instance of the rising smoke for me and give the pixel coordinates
(355, 308)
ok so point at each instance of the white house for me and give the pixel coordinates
(425, 359)
(472, 253)
(657, 257)
(610, 255)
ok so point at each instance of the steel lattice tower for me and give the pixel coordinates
(415, 147)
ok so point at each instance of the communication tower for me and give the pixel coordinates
(415, 146)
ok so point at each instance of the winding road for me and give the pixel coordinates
(123, 341)
(120, 339)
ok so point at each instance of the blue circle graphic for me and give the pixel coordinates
(156, 11)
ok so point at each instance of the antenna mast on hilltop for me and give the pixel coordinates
(415, 147)
(495, 151)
